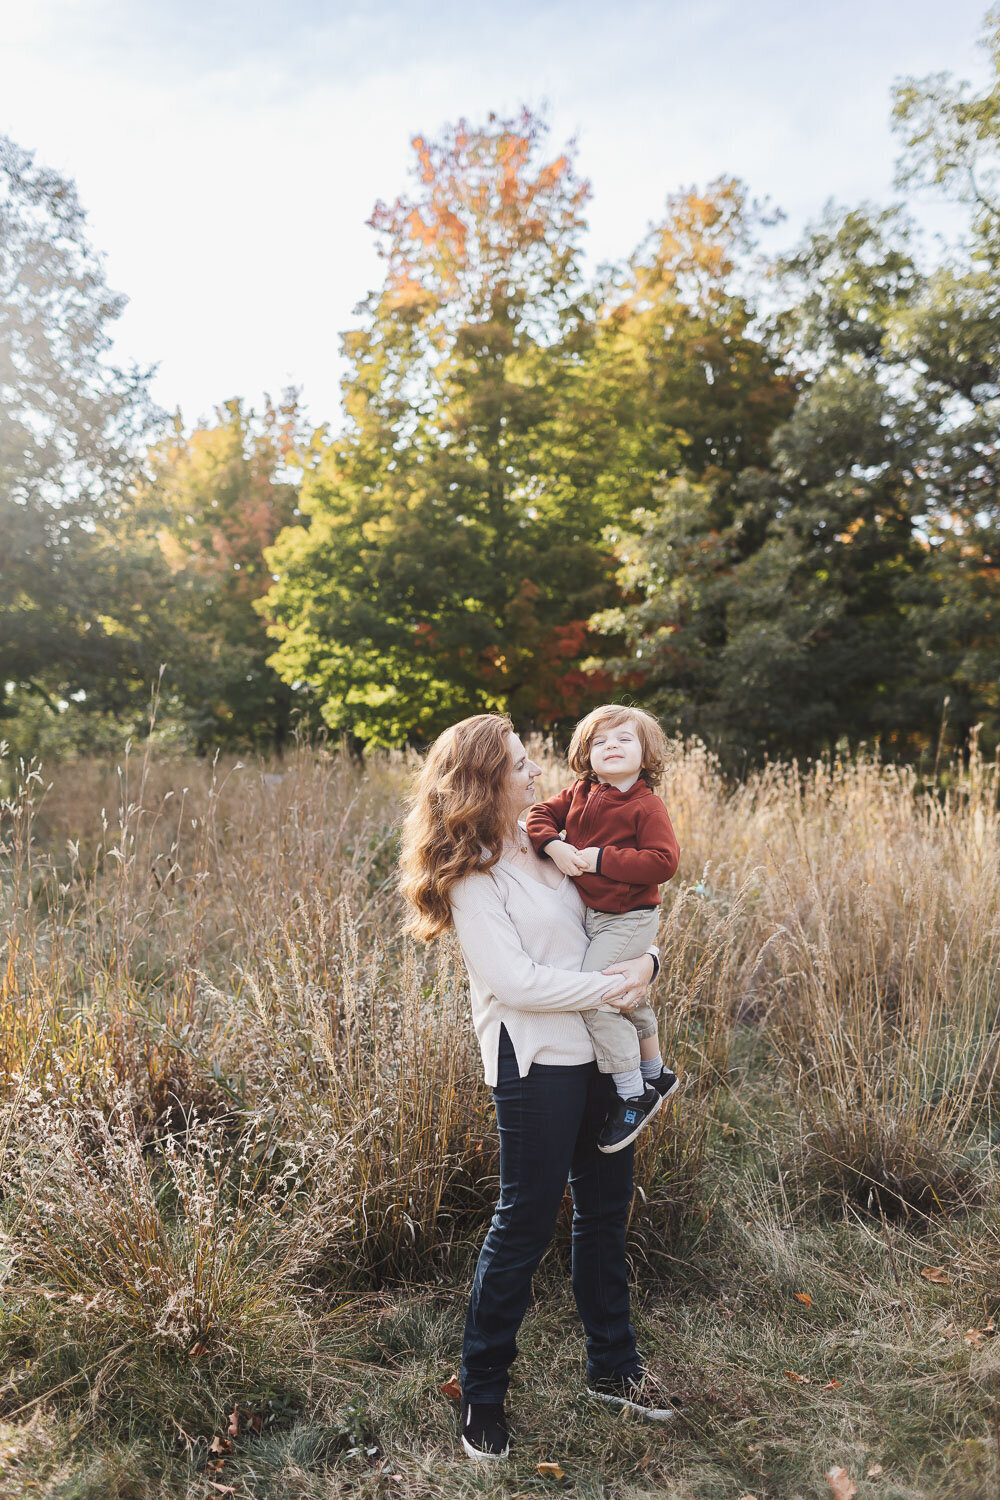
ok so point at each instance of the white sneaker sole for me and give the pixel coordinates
(671, 1091)
(479, 1455)
(620, 1145)
(651, 1413)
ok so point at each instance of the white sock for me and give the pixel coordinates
(651, 1068)
(629, 1084)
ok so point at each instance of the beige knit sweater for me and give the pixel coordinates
(523, 943)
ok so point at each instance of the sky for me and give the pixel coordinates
(229, 154)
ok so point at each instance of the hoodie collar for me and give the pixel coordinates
(636, 790)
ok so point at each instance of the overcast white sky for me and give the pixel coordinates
(229, 153)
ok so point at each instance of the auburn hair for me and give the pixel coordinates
(612, 716)
(457, 819)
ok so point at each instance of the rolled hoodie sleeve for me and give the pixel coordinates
(493, 948)
(546, 820)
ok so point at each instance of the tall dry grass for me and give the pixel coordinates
(232, 1094)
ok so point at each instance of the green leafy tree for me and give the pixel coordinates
(452, 553)
(678, 371)
(207, 506)
(951, 136)
(70, 421)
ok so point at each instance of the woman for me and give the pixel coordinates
(467, 863)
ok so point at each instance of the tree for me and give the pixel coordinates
(206, 507)
(69, 424)
(452, 553)
(677, 367)
(951, 142)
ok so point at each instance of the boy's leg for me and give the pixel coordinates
(614, 936)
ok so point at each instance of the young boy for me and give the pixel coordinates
(610, 832)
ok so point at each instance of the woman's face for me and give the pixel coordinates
(520, 778)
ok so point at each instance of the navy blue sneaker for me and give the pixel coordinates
(626, 1118)
(668, 1083)
(484, 1429)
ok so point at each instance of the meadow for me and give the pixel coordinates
(246, 1154)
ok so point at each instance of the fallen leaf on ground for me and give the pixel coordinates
(234, 1422)
(197, 1350)
(221, 1489)
(551, 1470)
(452, 1389)
(873, 1471)
(950, 1331)
(841, 1484)
(798, 1379)
(937, 1274)
(973, 1337)
(219, 1445)
(804, 1298)
(216, 1464)
(831, 1385)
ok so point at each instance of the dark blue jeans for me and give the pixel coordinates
(548, 1123)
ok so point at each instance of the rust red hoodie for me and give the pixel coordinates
(632, 829)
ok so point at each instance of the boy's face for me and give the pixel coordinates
(616, 754)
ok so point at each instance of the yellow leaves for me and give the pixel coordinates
(551, 1470)
(804, 1298)
(418, 229)
(841, 1484)
(403, 291)
(936, 1274)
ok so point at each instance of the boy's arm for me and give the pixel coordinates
(546, 820)
(654, 863)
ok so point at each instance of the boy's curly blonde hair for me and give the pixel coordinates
(612, 716)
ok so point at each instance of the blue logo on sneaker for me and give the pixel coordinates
(630, 1117)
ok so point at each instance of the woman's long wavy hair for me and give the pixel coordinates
(457, 820)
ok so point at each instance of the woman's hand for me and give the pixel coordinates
(636, 976)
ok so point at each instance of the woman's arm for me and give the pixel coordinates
(492, 946)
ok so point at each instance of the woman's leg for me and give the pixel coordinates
(539, 1118)
(602, 1193)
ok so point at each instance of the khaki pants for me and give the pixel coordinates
(616, 1034)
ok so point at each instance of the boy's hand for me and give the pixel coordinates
(590, 857)
(567, 859)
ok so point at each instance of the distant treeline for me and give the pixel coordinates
(758, 496)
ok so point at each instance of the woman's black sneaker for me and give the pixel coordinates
(638, 1393)
(668, 1083)
(626, 1118)
(484, 1429)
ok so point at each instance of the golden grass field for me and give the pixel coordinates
(246, 1154)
